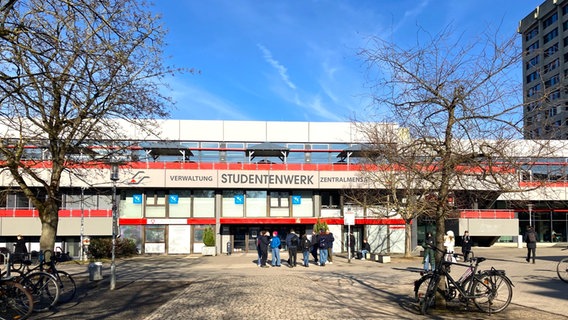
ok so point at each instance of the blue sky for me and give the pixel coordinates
(297, 60)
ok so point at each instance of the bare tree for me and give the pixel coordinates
(459, 102)
(69, 71)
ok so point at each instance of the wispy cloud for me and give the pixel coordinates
(282, 71)
(196, 103)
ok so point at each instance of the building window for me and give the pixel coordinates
(552, 81)
(279, 199)
(256, 203)
(531, 34)
(330, 199)
(203, 203)
(532, 47)
(156, 204)
(550, 21)
(534, 90)
(17, 200)
(532, 62)
(179, 204)
(551, 35)
(552, 65)
(555, 95)
(565, 9)
(551, 50)
(233, 203)
(531, 77)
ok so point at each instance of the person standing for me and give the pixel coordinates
(429, 257)
(530, 238)
(315, 246)
(330, 239)
(466, 245)
(275, 248)
(264, 243)
(323, 243)
(258, 251)
(351, 245)
(292, 242)
(20, 249)
(305, 246)
(366, 248)
(450, 244)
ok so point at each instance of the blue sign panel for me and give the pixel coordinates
(173, 199)
(296, 199)
(137, 199)
(239, 199)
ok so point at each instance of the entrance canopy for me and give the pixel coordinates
(358, 151)
(157, 149)
(267, 149)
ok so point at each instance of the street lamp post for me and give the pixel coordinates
(530, 206)
(82, 252)
(114, 179)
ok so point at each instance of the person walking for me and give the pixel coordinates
(264, 243)
(530, 238)
(429, 254)
(292, 242)
(20, 249)
(275, 248)
(315, 246)
(351, 245)
(330, 239)
(305, 246)
(466, 245)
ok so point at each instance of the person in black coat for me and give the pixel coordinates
(466, 245)
(315, 246)
(351, 245)
(264, 242)
(20, 249)
(530, 238)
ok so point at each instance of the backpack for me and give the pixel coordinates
(323, 243)
(531, 237)
(294, 241)
(306, 244)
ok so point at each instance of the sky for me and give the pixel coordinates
(296, 60)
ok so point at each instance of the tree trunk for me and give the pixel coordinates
(49, 217)
(407, 239)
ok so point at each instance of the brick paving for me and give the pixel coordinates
(233, 287)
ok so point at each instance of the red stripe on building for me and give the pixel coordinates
(132, 221)
(487, 214)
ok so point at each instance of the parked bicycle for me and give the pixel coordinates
(15, 301)
(490, 290)
(42, 285)
(562, 268)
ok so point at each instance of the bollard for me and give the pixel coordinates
(229, 249)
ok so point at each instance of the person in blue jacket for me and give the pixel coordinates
(275, 247)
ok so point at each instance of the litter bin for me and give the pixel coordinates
(229, 249)
(95, 271)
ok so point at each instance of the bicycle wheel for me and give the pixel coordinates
(17, 302)
(67, 287)
(493, 292)
(562, 269)
(430, 294)
(44, 289)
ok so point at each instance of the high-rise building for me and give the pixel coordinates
(545, 70)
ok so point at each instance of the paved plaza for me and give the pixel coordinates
(234, 287)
